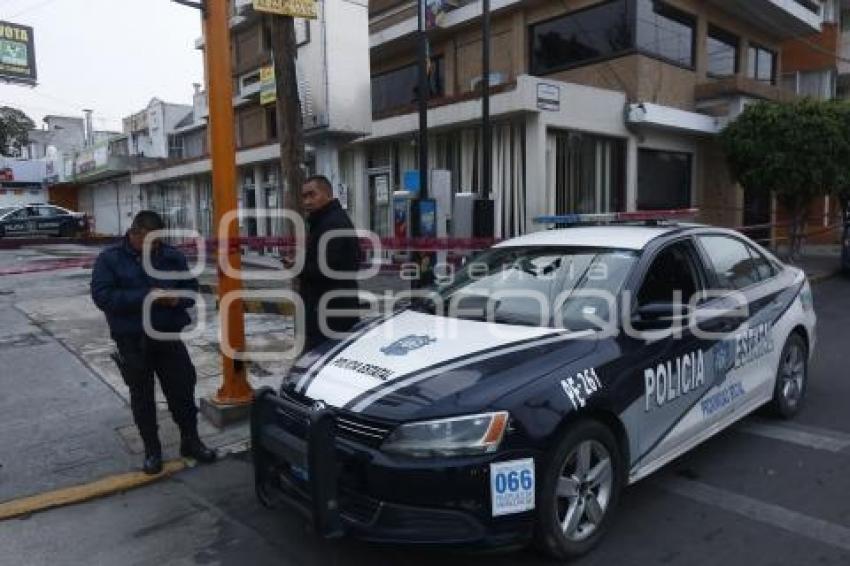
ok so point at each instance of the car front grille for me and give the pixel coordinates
(348, 425)
(358, 430)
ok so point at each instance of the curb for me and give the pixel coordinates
(86, 492)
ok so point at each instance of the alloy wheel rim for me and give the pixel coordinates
(584, 489)
(793, 375)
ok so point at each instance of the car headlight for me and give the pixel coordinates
(459, 436)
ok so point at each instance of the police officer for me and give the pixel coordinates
(325, 214)
(119, 288)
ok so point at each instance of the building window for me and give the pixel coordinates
(175, 146)
(399, 88)
(664, 180)
(820, 85)
(665, 32)
(590, 174)
(598, 32)
(761, 64)
(722, 53)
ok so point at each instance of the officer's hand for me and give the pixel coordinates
(163, 298)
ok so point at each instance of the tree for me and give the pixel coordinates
(14, 131)
(843, 192)
(797, 151)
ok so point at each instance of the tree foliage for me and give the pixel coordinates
(796, 151)
(14, 131)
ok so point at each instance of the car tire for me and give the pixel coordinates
(586, 468)
(792, 378)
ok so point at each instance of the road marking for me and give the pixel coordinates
(767, 513)
(81, 493)
(819, 439)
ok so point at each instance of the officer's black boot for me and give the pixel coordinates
(153, 457)
(192, 447)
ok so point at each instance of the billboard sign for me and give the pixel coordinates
(17, 54)
(292, 8)
(268, 86)
(91, 160)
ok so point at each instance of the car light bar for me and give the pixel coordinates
(612, 217)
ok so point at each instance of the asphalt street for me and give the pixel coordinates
(764, 493)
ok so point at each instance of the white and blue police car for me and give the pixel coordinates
(513, 403)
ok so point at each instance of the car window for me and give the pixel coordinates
(48, 211)
(6, 210)
(509, 282)
(673, 270)
(732, 262)
(588, 296)
(20, 214)
(764, 267)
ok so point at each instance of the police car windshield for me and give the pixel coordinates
(535, 286)
(7, 210)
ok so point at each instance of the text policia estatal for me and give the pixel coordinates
(672, 379)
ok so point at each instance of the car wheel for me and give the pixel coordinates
(580, 491)
(791, 378)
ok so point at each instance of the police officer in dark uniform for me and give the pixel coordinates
(324, 214)
(119, 288)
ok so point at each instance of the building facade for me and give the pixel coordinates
(333, 77)
(597, 106)
(49, 158)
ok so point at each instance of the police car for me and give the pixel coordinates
(515, 402)
(41, 220)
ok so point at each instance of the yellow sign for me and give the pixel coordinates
(293, 8)
(268, 86)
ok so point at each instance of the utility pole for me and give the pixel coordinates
(290, 127)
(235, 390)
(422, 100)
(486, 131)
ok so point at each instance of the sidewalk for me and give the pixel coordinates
(819, 262)
(64, 409)
(59, 420)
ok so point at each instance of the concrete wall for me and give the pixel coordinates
(112, 204)
(22, 195)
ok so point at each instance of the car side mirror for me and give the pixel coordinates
(661, 316)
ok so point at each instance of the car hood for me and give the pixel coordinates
(416, 365)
